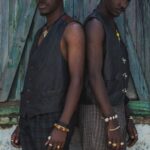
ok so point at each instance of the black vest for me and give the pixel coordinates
(47, 76)
(115, 68)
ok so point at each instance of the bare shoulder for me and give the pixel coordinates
(74, 26)
(74, 29)
(94, 30)
(95, 26)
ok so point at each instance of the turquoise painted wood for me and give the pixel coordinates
(20, 21)
(136, 35)
(15, 29)
(136, 69)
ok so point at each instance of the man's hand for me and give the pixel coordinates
(132, 133)
(15, 139)
(56, 140)
(115, 138)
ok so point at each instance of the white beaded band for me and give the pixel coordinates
(107, 119)
(130, 117)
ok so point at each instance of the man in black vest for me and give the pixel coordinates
(103, 116)
(53, 82)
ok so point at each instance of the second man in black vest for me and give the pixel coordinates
(103, 116)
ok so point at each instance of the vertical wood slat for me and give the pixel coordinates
(78, 10)
(4, 34)
(136, 70)
(69, 6)
(17, 48)
(143, 11)
(89, 5)
(15, 15)
(138, 22)
(4, 19)
(37, 22)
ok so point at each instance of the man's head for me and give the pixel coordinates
(115, 7)
(47, 7)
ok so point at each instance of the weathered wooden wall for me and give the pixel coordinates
(17, 29)
(19, 21)
(137, 20)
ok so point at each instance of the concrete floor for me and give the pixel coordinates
(142, 144)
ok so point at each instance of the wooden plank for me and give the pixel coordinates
(89, 6)
(132, 26)
(1, 43)
(16, 51)
(78, 12)
(69, 6)
(4, 25)
(17, 85)
(136, 70)
(14, 15)
(143, 34)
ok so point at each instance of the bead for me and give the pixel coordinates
(106, 119)
(110, 118)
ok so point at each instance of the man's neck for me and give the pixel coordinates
(102, 8)
(51, 18)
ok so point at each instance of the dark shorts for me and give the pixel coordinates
(34, 131)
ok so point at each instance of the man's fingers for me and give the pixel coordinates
(16, 144)
(133, 137)
(132, 140)
(46, 143)
(114, 145)
(130, 143)
(118, 147)
(135, 133)
(59, 146)
(15, 140)
(55, 147)
(49, 140)
(54, 143)
(50, 146)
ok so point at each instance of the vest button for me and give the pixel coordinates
(125, 75)
(124, 60)
(124, 90)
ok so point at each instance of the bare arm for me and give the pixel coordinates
(72, 47)
(95, 39)
(74, 38)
